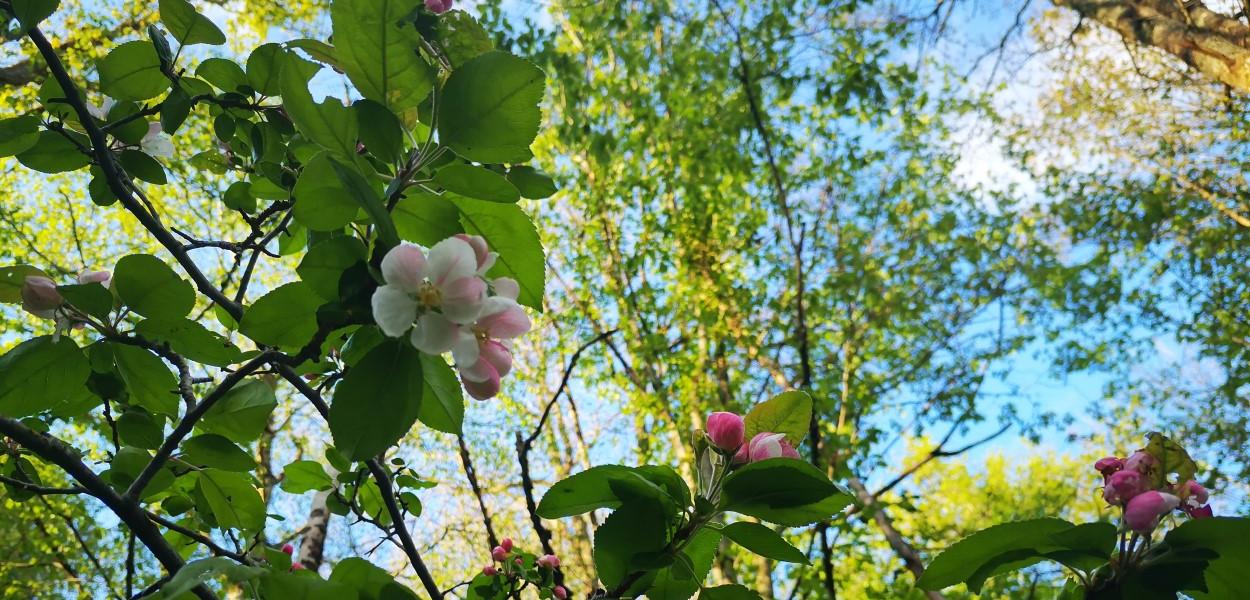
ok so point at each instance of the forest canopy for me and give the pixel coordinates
(386, 299)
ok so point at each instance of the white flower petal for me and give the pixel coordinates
(450, 259)
(506, 287)
(393, 310)
(435, 334)
(404, 267)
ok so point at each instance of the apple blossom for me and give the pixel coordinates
(560, 592)
(1122, 486)
(726, 430)
(499, 554)
(438, 7)
(765, 445)
(1202, 512)
(1108, 465)
(506, 544)
(288, 549)
(1143, 511)
(481, 251)
(490, 571)
(103, 278)
(1141, 461)
(156, 143)
(39, 296)
(481, 355)
(446, 280)
(548, 561)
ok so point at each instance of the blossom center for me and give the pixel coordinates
(429, 295)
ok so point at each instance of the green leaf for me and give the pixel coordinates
(328, 123)
(789, 413)
(763, 541)
(379, 52)
(126, 465)
(30, 12)
(212, 450)
(1225, 576)
(359, 190)
(191, 340)
(204, 570)
(239, 197)
(380, 130)
(142, 167)
(488, 109)
(285, 317)
(476, 182)
(54, 153)
(325, 262)
(137, 427)
(301, 585)
(461, 37)
(318, 50)
(263, 67)
(224, 74)
(667, 479)
(583, 492)
(13, 278)
(149, 287)
(1172, 458)
(962, 561)
(442, 400)
(39, 374)
(680, 580)
(730, 591)
(188, 26)
(174, 110)
(242, 414)
(784, 491)
(234, 501)
(632, 530)
(91, 298)
(321, 201)
(425, 218)
(508, 231)
(371, 581)
(152, 385)
(531, 182)
(304, 475)
(387, 381)
(18, 134)
(132, 71)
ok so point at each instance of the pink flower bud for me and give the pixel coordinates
(297, 566)
(39, 296)
(726, 430)
(506, 544)
(1143, 511)
(1122, 486)
(438, 7)
(766, 445)
(1108, 465)
(560, 592)
(288, 549)
(518, 562)
(482, 390)
(101, 277)
(1142, 462)
(548, 561)
(499, 554)
(490, 571)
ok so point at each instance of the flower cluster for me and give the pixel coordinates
(1137, 484)
(727, 433)
(518, 569)
(443, 298)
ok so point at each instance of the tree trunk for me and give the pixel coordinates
(900, 546)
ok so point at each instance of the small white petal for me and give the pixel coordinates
(393, 310)
(404, 267)
(506, 287)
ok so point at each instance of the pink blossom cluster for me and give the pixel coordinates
(727, 432)
(1130, 483)
(511, 564)
(443, 300)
